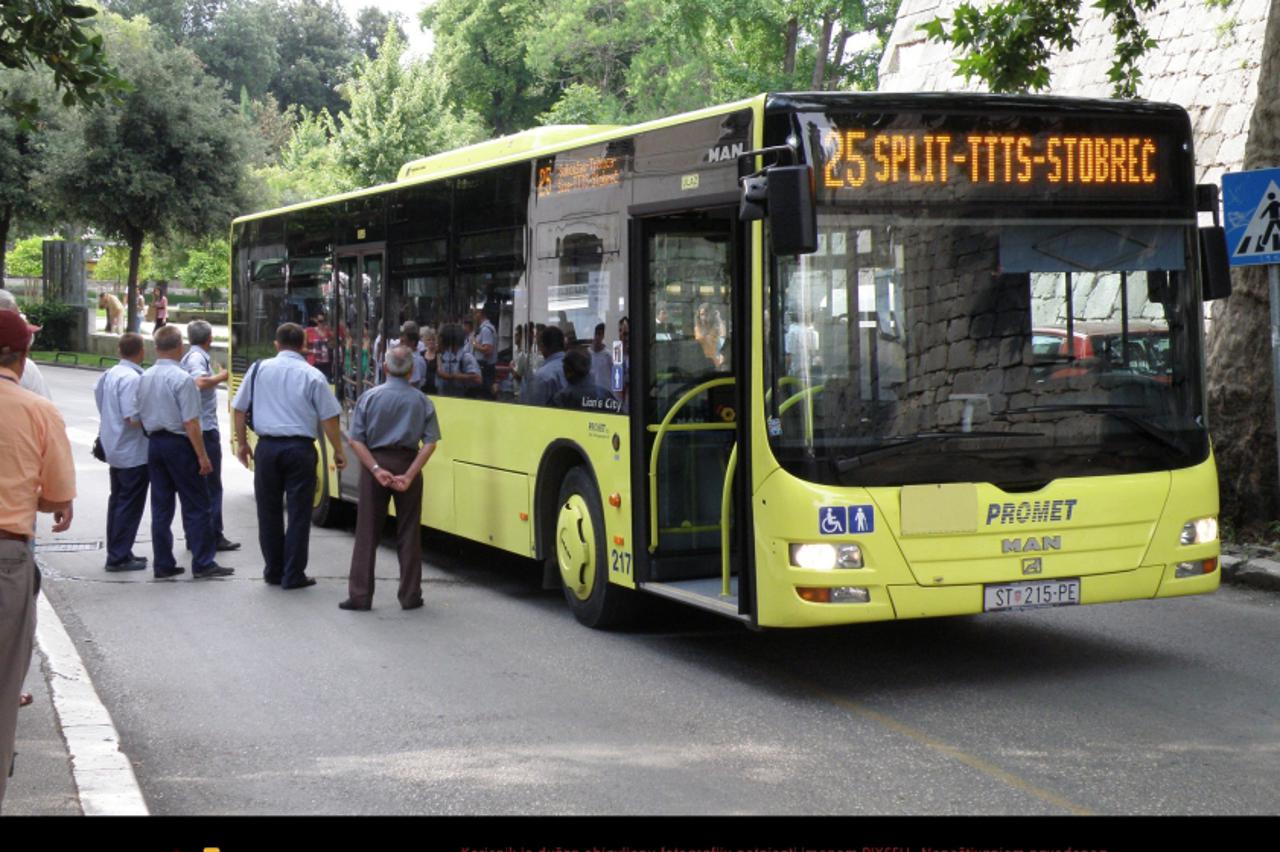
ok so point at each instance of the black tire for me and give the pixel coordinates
(581, 555)
(326, 511)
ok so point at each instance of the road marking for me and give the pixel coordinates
(973, 762)
(102, 772)
(81, 436)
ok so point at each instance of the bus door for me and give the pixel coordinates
(688, 407)
(360, 338)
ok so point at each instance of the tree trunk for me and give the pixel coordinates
(824, 47)
(135, 259)
(1241, 382)
(789, 52)
(6, 217)
(837, 60)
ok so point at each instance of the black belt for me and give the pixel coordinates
(5, 534)
(285, 438)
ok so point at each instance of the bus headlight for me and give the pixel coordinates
(824, 557)
(1199, 531)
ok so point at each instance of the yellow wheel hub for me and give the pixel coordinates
(576, 547)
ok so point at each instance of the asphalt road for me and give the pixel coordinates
(233, 697)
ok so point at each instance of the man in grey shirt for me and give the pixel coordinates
(200, 366)
(549, 380)
(169, 406)
(393, 434)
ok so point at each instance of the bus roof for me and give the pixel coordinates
(545, 141)
(539, 142)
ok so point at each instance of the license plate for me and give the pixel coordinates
(1031, 595)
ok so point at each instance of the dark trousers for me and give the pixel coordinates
(372, 515)
(213, 482)
(124, 510)
(175, 471)
(284, 472)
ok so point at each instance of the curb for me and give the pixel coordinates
(1259, 572)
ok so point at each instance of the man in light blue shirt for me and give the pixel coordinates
(169, 405)
(199, 365)
(120, 431)
(291, 401)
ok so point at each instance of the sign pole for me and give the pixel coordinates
(1273, 279)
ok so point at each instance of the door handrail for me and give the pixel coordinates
(660, 433)
(726, 505)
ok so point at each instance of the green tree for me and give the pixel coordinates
(113, 265)
(479, 49)
(1008, 44)
(398, 112)
(20, 159)
(26, 260)
(241, 48)
(371, 29)
(208, 269)
(314, 39)
(167, 160)
(57, 35)
(308, 166)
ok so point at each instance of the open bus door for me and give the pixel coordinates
(687, 404)
(361, 338)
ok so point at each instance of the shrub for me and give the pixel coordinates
(57, 321)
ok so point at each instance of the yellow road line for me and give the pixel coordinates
(952, 752)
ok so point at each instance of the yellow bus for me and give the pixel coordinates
(852, 357)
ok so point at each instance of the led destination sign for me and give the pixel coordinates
(855, 157)
(557, 176)
(1006, 158)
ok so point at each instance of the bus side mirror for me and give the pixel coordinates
(793, 221)
(1215, 271)
(785, 195)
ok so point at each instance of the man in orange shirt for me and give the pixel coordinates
(37, 474)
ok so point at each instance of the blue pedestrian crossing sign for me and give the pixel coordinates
(1251, 205)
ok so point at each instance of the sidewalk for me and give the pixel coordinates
(41, 784)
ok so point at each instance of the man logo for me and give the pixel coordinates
(1033, 566)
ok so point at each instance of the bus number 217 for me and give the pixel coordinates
(619, 562)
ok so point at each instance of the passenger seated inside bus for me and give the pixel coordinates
(582, 392)
(457, 373)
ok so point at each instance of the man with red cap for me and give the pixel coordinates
(37, 474)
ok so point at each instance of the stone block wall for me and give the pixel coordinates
(1207, 61)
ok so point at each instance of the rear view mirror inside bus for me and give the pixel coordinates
(785, 195)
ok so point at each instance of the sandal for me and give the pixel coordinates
(25, 698)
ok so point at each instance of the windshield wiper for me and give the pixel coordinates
(1124, 413)
(904, 442)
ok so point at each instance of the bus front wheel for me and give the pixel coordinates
(580, 555)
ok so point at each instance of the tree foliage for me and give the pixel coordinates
(1008, 44)
(26, 260)
(56, 35)
(371, 29)
(208, 269)
(167, 160)
(399, 111)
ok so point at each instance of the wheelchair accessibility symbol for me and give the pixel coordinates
(832, 520)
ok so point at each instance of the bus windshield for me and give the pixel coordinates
(908, 351)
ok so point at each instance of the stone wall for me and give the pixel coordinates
(1207, 60)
